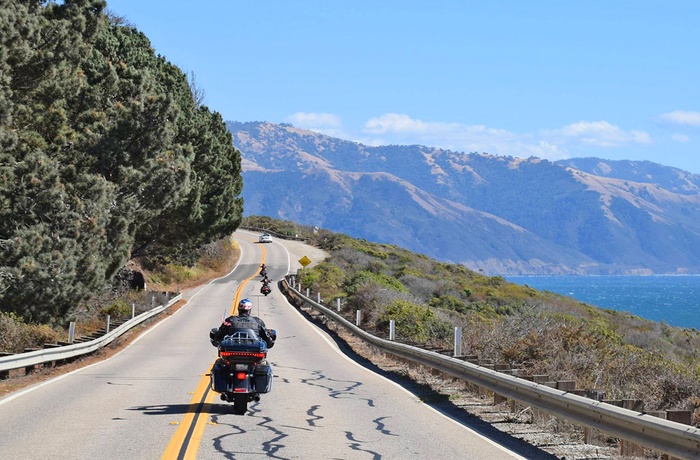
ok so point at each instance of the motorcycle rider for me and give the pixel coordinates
(244, 321)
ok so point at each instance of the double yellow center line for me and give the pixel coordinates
(185, 442)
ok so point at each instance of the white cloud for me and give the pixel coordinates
(396, 128)
(544, 149)
(312, 120)
(396, 123)
(597, 133)
(324, 123)
(680, 137)
(681, 117)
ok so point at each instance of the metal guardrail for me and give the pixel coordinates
(672, 438)
(46, 355)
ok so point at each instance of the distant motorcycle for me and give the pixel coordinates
(265, 290)
(242, 372)
(263, 273)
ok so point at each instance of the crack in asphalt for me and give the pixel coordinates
(357, 444)
(312, 421)
(273, 447)
(381, 425)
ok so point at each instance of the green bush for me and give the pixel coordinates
(413, 322)
(16, 335)
(363, 277)
(117, 309)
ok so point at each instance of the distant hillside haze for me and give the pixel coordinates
(499, 215)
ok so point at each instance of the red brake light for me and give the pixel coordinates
(241, 376)
(249, 354)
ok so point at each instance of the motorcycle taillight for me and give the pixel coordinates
(242, 354)
(249, 354)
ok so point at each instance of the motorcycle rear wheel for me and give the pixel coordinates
(240, 404)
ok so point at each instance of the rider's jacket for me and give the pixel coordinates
(244, 321)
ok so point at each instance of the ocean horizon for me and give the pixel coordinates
(673, 299)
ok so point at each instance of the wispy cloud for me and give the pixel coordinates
(398, 128)
(549, 144)
(597, 133)
(681, 118)
(680, 137)
(554, 144)
(324, 123)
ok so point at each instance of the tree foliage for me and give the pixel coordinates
(105, 151)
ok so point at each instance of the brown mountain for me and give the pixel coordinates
(502, 215)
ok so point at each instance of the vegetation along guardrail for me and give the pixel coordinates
(48, 355)
(672, 438)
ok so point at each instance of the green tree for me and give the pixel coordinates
(104, 149)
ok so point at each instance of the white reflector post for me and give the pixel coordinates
(458, 341)
(392, 330)
(71, 331)
(358, 314)
(107, 326)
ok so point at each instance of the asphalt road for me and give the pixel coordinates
(152, 399)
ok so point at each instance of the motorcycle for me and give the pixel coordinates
(263, 273)
(241, 373)
(265, 290)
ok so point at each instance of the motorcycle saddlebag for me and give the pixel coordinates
(263, 378)
(219, 377)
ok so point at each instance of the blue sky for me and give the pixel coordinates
(615, 79)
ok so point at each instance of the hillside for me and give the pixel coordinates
(500, 215)
(536, 332)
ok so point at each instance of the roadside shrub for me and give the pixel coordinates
(324, 277)
(117, 309)
(413, 322)
(380, 279)
(16, 335)
(449, 302)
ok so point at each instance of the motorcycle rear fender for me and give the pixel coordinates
(242, 386)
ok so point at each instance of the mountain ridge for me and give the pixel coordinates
(500, 215)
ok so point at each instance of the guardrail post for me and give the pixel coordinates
(358, 315)
(392, 330)
(458, 342)
(107, 325)
(4, 375)
(133, 310)
(71, 331)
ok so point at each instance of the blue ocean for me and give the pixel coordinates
(673, 299)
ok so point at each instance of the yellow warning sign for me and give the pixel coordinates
(304, 261)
